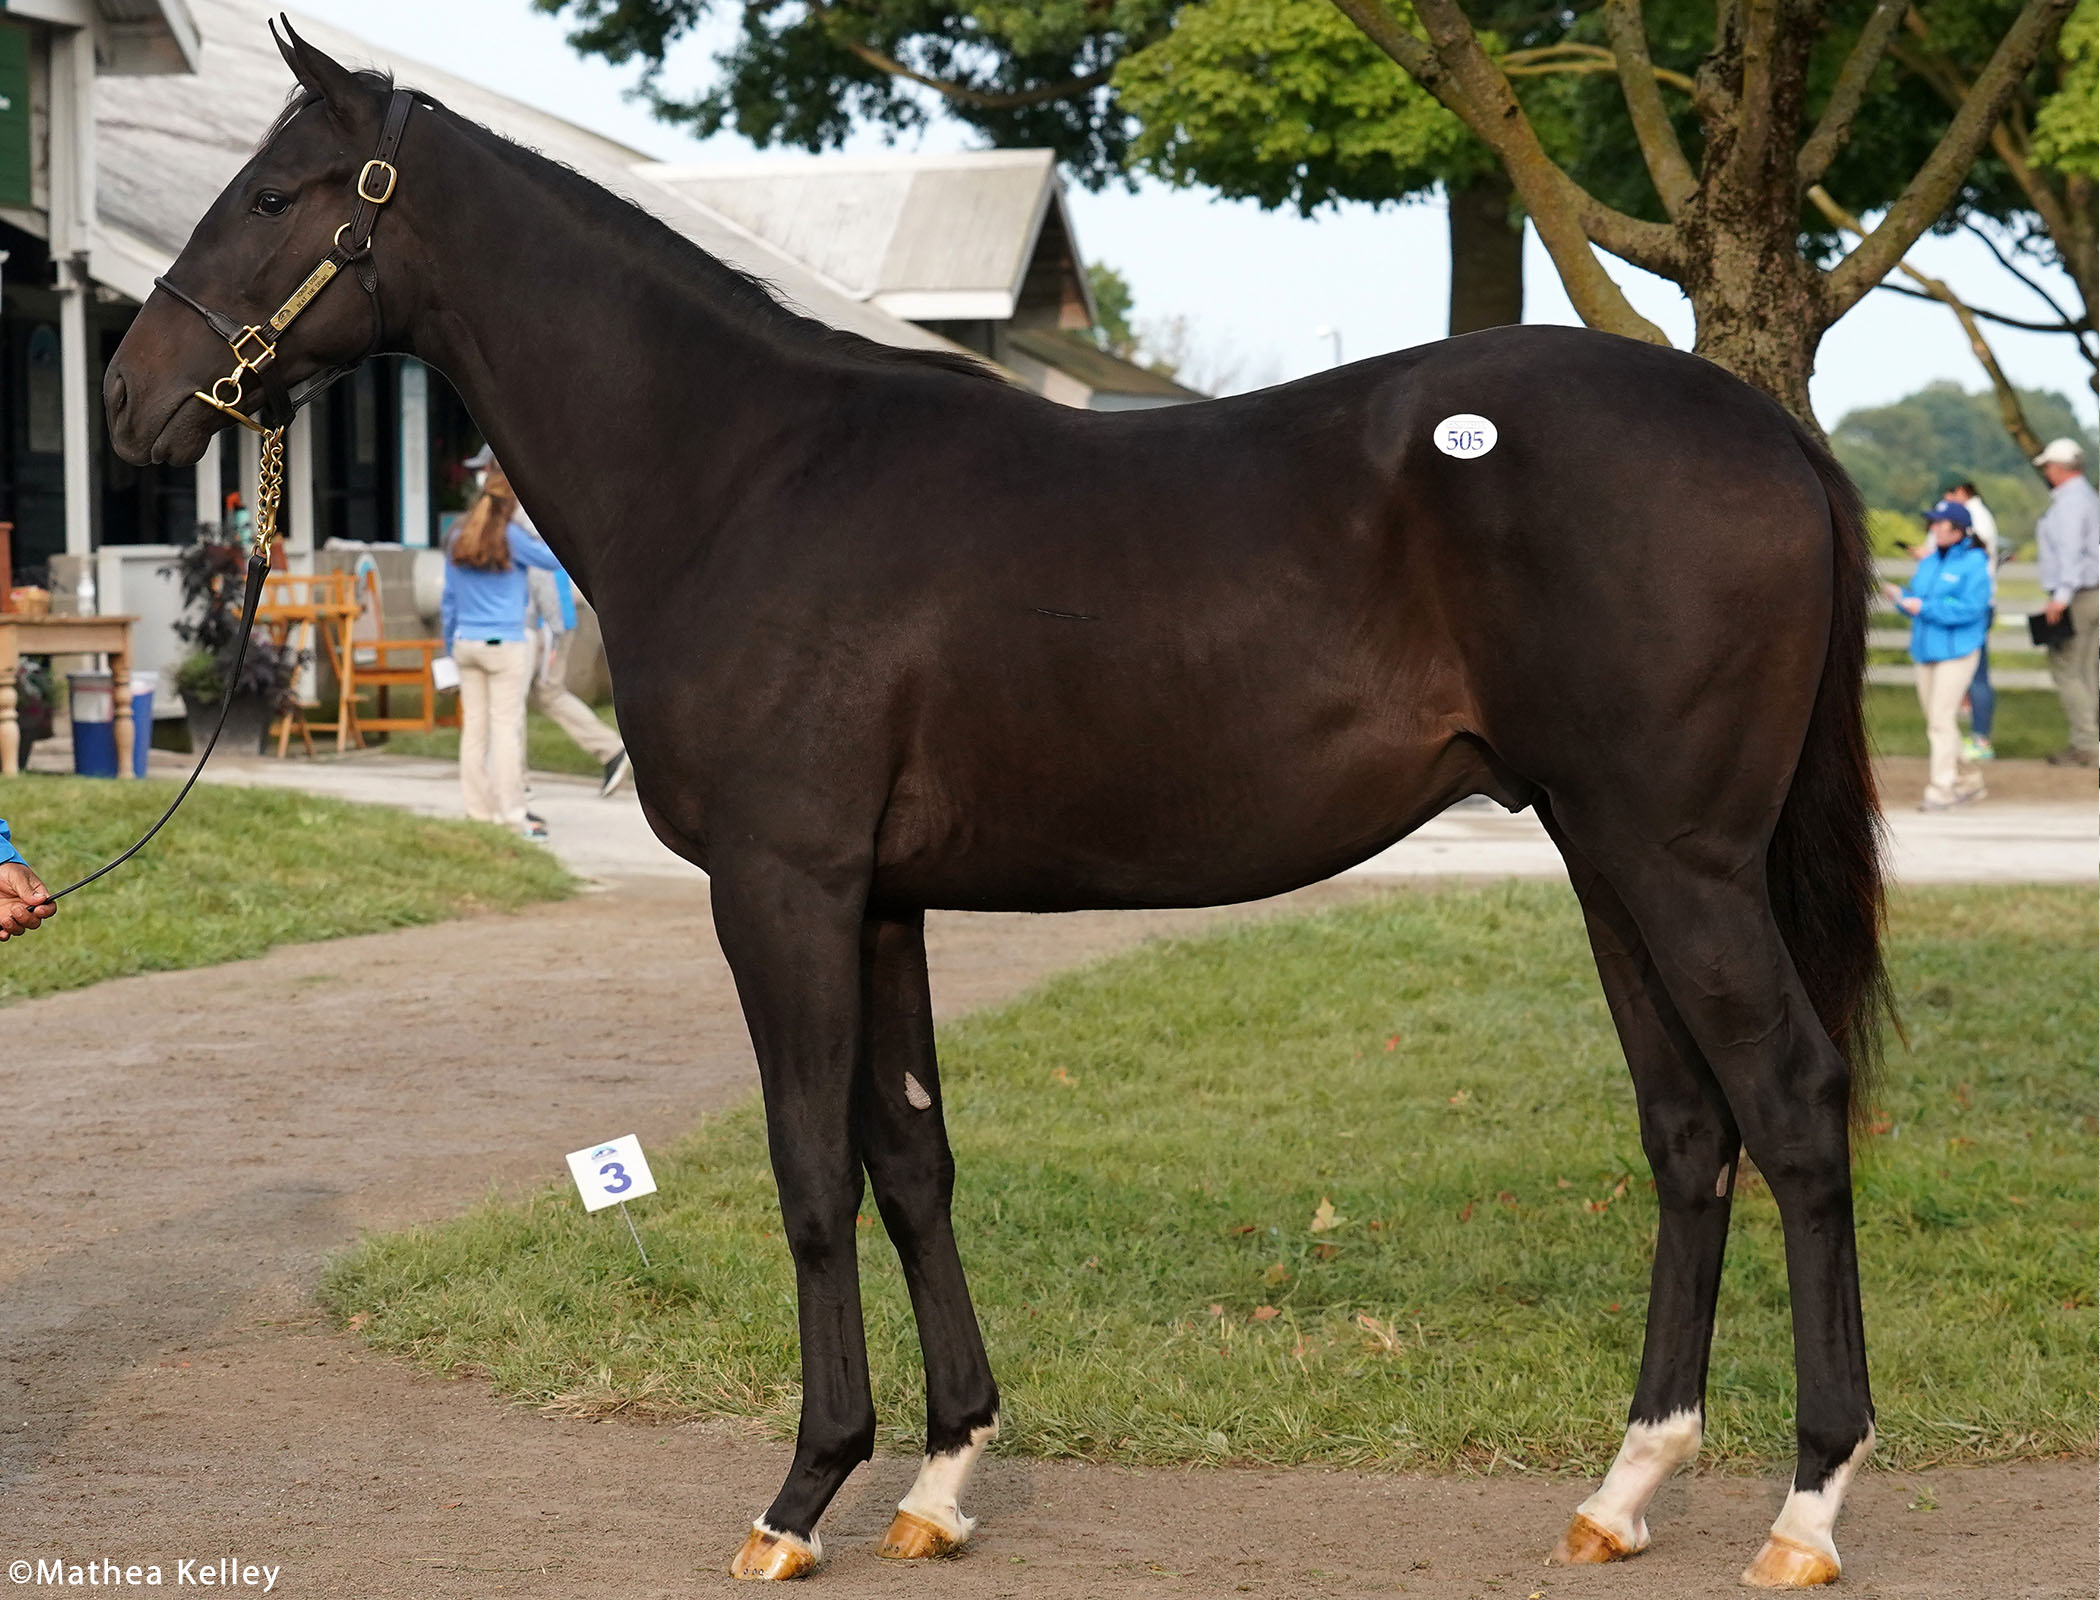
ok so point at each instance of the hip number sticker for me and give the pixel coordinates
(1465, 436)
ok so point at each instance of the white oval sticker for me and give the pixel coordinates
(1465, 436)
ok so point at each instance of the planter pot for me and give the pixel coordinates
(247, 723)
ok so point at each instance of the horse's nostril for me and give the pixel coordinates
(118, 395)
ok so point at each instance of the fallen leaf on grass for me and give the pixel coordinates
(1242, 1227)
(1462, 1097)
(358, 1319)
(1883, 1123)
(1393, 1043)
(1327, 1252)
(1216, 1310)
(1275, 1272)
(1383, 1334)
(1324, 1218)
(1063, 1079)
(1596, 1205)
(1266, 1313)
(1466, 1215)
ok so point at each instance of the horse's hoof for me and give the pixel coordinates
(773, 1557)
(1587, 1544)
(913, 1538)
(1784, 1564)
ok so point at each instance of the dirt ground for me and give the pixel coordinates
(189, 1147)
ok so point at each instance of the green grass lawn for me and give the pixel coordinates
(547, 748)
(1143, 1148)
(2030, 722)
(239, 871)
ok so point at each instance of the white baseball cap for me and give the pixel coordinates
(2061, 453)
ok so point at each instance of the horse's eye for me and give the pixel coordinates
(271, 204)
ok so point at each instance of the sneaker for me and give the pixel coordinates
(616, 771)
(1962, 797)
(1974, 750)
(534, 829)
(2070, 757)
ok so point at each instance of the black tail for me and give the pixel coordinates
(1825, 870)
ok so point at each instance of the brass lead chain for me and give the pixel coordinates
(269, 492)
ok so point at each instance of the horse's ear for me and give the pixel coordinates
(322, 75)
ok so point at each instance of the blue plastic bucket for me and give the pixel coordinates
(141, 721)
(92, 704)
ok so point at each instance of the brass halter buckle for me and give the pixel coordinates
(364, 181)
(244, 360)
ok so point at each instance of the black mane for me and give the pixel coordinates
(762, 304)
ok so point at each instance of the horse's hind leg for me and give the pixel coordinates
(793, 943)
(1692, 1145)
(904, 1141)
(1703, 910)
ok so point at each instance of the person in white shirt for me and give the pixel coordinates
(1983, 699)
(2067, 545)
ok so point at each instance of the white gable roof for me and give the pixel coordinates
(168, 145)
(932, 238)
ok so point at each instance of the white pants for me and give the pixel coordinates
(492, 683)
(1941, 685)
(551, 695)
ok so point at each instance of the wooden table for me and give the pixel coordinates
(60, 636)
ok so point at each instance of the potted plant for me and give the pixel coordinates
(213, 573)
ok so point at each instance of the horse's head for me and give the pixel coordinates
(260, 241)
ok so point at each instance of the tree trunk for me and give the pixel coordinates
(1487, 255)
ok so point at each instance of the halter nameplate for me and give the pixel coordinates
(316, 281)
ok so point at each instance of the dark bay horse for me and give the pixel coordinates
(888, 634)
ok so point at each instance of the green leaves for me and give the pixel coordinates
(2064, 138)
(1286, 102)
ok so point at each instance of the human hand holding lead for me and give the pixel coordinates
(24, 901)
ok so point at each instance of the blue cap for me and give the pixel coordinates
(1950, 511)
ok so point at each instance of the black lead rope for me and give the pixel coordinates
(258, 569)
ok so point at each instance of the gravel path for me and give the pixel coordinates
(190, 1146)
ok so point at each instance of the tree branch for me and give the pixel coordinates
(1834, 127)
(2013, 267)
(962, 94)
(1452, 66)
(2073, 240)
(2010, 411)
(1935, 183)
(1745, 153)
(2075, 329)
(1675, 182)
(1547, 59)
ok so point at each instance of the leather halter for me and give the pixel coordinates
(254, 345)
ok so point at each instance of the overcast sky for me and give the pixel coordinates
(1254, 285)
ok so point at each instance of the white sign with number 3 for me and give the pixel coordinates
(607, 1174)
(1465, 436)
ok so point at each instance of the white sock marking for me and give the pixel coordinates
(1809, 1516)
(915, 1092)
(1649, 1453)
(939, 1486)
(814, 1544)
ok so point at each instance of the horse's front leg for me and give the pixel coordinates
(792, 938)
